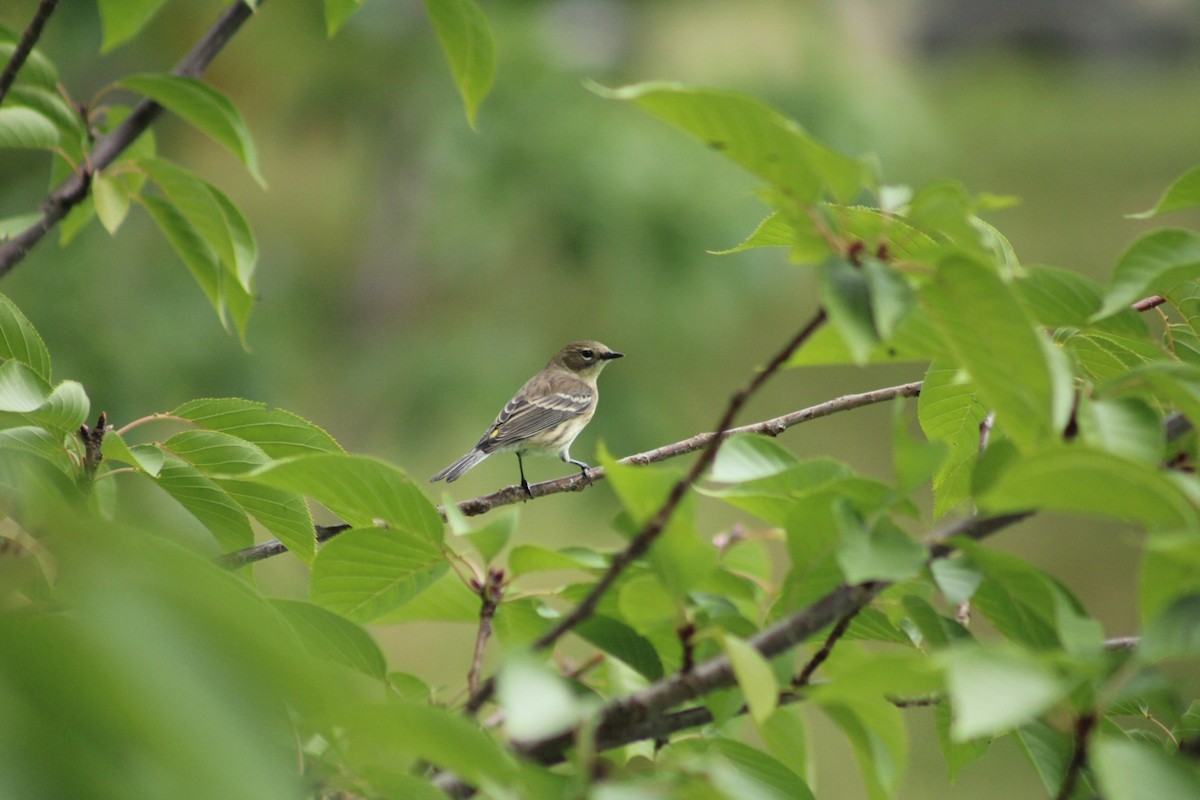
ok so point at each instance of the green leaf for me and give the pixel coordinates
(1183, 193)
(26, 395)
(145, 458)
(200, 204)
(215, 453)
(26, 129)
(1165, 381)
(774, 231)
(623, 643)
(1129, 770)
(1049, 751)
(1058, 297)
(329, 636)
(222, 290)
(37, 71)
(442, 737)
(846, 298)
(112, 204)
(997, 688)
(892, 298)
(526, 558)
(282, 513)
(207, 109)
(1152, 265)
(490, 539)
(786, 737)
(1106, 357)
(207, 502)
(879, 552)
(12, 226)
(763, 770)
(957, 754)
(448, 599)
(876, 731)
(1170, 569)
(280, 434)
(462, 29)
(536, 701)
(747, 457)
(50, 104)
(365, 573)
(1100, 484)
(1007, 359)
(1125, 427)
(36, 440)
(121, 20)
(360, 490)
(338, 13)
(679, 558)
(754, 136)
(1174, 632)
(754, 676)
(19, 340)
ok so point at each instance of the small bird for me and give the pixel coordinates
(546, 415)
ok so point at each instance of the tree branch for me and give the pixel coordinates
(490, 593)
(655, 525)
(74, 189)
(575, 482)
(1084, 725)
(25, 46)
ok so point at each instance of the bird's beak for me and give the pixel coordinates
(611, 355)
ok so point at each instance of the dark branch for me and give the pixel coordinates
(1084, 726)
(74, 189)
(805, 676)
(490, 593)
(654, 526)
(25, 46)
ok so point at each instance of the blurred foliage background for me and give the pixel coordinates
(414, 272)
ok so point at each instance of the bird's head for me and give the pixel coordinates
(584, 358)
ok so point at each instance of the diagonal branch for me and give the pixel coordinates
(654, 526)
(25, 46)
(574, 482)
(74, 189)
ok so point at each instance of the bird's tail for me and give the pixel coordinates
(460, 467)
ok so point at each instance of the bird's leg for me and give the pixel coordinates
(583, 468)
(524, 483)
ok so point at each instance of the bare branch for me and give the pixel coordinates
(25, 46)
(1084, 725)
(74, 189)
(490, 593)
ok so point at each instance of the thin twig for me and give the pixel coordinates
(25, 46)
(75, 188)
(1147, 303)
(514, 494)
(839, 630)
(490, 593)
(1084, 726)
(655, 525)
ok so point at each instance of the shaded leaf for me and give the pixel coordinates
(280, 434)
(329, 636)
(1183, 193)
(121, 20)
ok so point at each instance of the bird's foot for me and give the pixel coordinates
(525, 486)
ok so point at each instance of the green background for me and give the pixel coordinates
(414, 272)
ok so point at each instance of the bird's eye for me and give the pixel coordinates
(586, 353)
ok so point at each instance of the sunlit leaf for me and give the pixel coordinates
(997, 688)
(753, 135)
(365, 573)
(466, 39)
(204, 107)
(1152, 265)
(1183, 193)
(279, 433)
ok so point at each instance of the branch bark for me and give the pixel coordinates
(574, 482)
(25, 46)
(74, 189)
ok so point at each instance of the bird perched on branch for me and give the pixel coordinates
(546, 415)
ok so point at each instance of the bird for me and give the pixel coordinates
(546, 415)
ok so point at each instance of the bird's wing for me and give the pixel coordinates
(524, 416)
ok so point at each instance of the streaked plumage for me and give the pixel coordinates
(547, 413)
